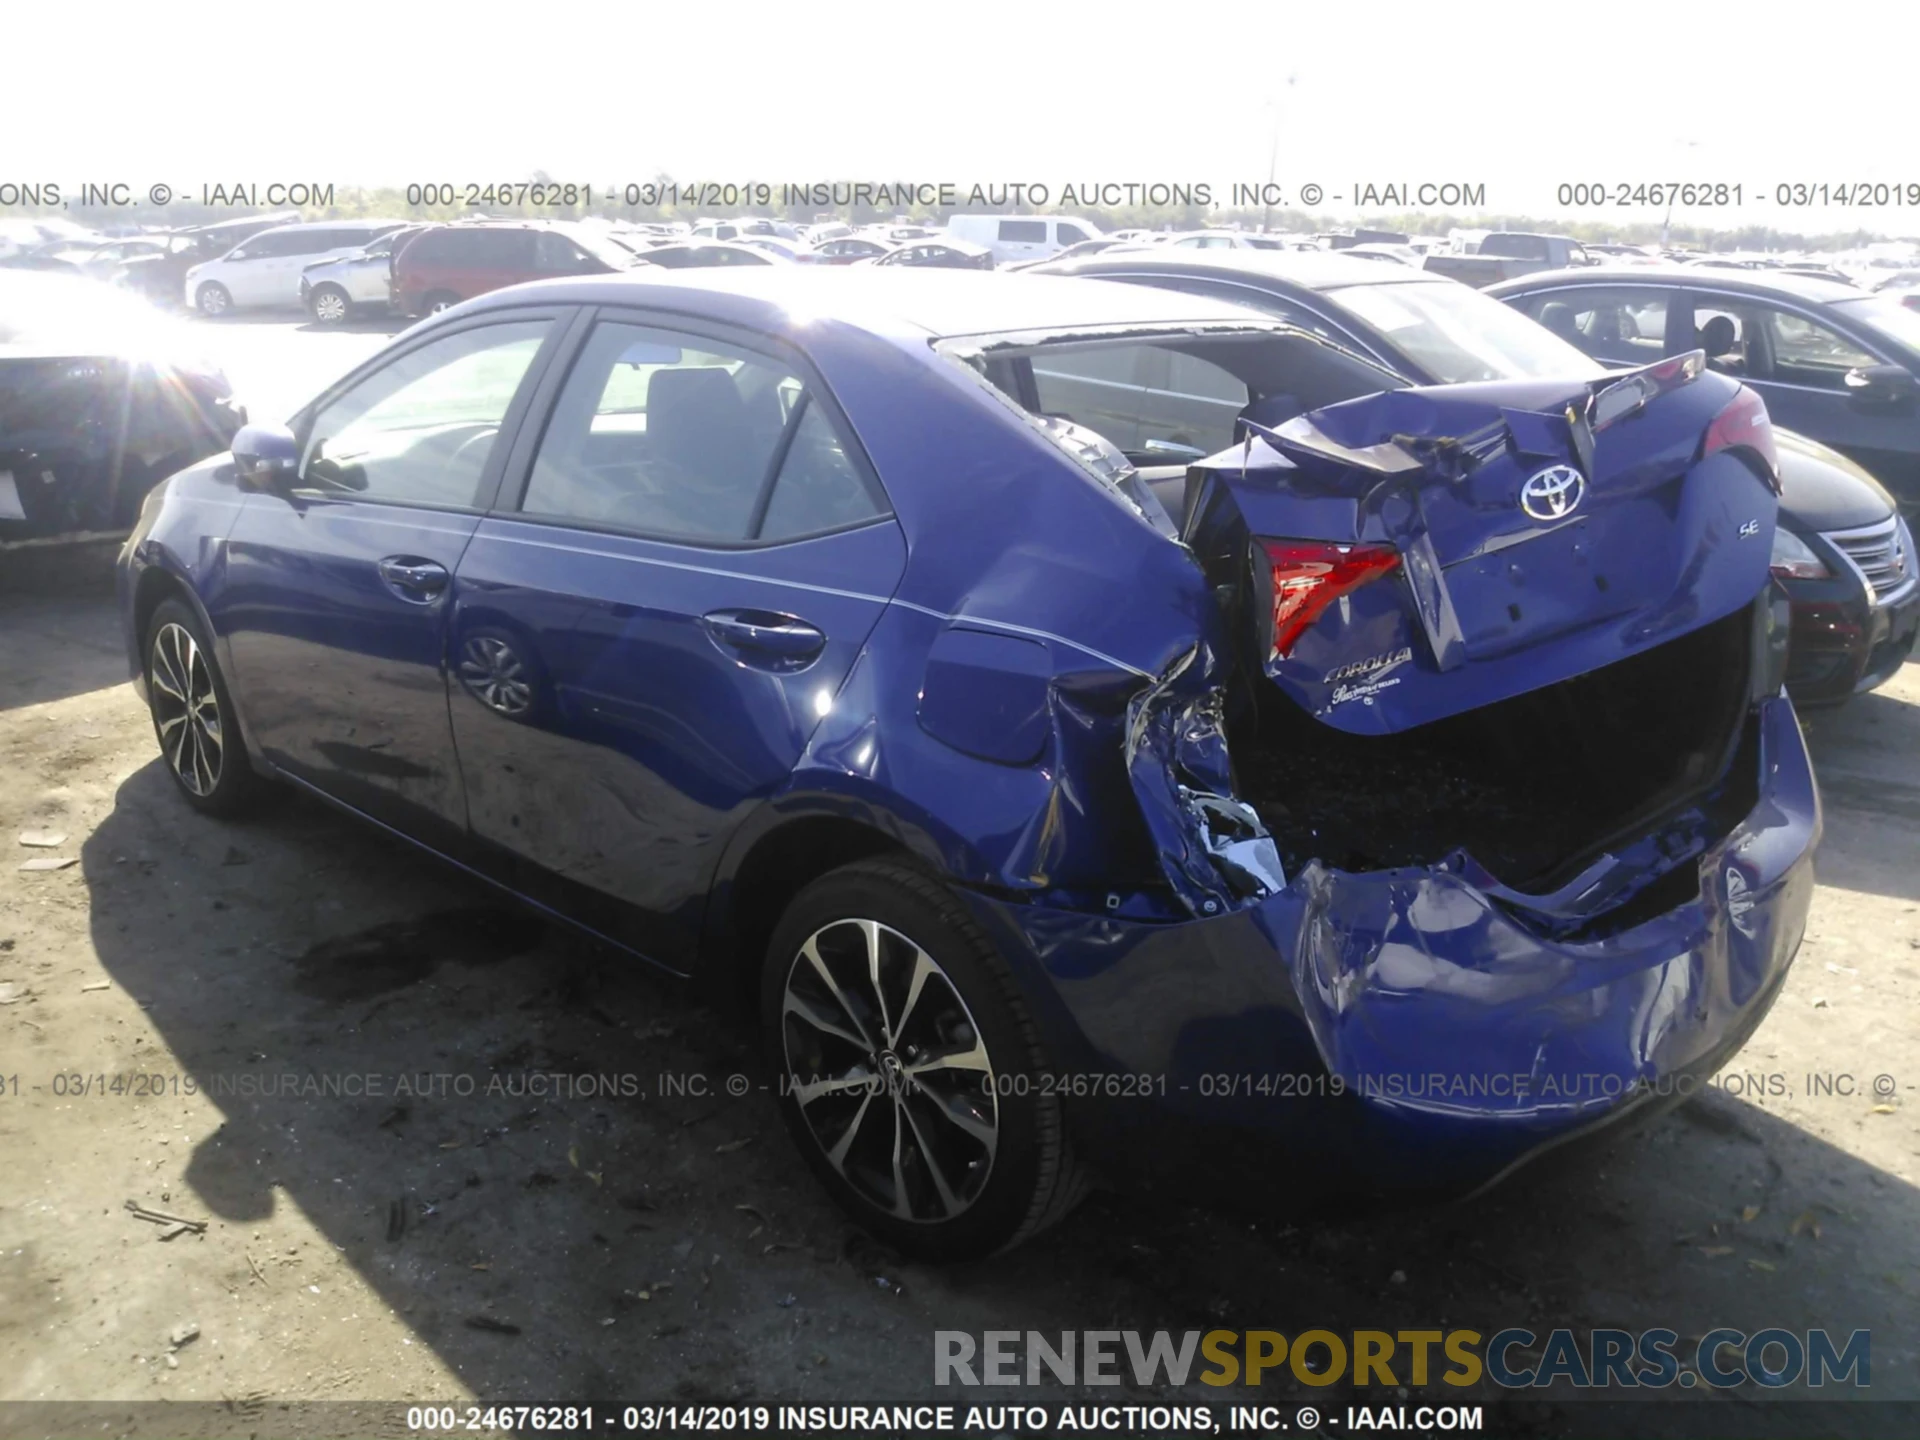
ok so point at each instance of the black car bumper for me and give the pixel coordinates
(1843, 642)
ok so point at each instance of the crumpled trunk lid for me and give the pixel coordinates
(1517, 535)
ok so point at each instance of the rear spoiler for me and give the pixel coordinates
(1375, 436)
(1618, 396)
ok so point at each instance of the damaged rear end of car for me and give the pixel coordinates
(1477, 788)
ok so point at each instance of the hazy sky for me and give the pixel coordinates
(1192, 91)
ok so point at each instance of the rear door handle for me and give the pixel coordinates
(414, 579)
(765, 638)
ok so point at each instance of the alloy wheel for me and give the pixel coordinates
(890, 1071)
(494, 673)
(186, 709)
(213, 300)
(329, 307)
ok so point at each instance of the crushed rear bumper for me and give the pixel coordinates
(1406, 1030)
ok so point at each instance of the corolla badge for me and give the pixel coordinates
(1553, 492)
(1739, 902)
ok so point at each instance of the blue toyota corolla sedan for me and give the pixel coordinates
(1422, 795)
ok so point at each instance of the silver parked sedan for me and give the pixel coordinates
(334, 291)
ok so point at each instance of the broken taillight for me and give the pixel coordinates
(1309, 575)
(1744, 425)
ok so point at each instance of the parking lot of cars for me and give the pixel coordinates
(512, 524)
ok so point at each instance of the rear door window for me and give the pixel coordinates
(688, 438)
(1624, 324)
(433, 248)
(497, 249)
(557, 255)
(270, 245)
(1024, 232)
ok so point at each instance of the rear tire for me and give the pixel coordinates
(920, 1101)
(330, 305)
(439, 300)
(213, 300)
(194, 718)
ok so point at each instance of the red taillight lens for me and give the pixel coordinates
(1744, 424)
(1309, 575)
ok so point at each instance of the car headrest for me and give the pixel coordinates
(694, 417)
(1718, 337)
(1267, 411)
(1557, 316)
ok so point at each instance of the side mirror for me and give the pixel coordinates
(266, 457)
(1883, 387)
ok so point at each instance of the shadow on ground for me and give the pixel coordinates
(557, 1216)
(1866, 755)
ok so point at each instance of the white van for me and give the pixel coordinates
(1021, 237)
(264, 269)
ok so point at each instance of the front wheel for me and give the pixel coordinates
(330, 305)
(439, 300)
(213, 300)
(193, 715)
(911, 1074)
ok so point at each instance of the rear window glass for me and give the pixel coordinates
(1457, 335)
(1155, 405)
(270, 243)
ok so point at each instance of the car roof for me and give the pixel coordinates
(300, 225)
(1777, 283)
(1308, 269)
(949, 242)
(895, 302)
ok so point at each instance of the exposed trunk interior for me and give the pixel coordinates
(1534, 787)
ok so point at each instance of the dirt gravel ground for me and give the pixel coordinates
(468, 1213)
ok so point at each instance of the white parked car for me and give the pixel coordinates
(1225, 240)
(1021, 237)
(264, 270)
(333, 291)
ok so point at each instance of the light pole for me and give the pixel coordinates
(1666, 225)
(1273, 160)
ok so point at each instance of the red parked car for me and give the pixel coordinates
(450, 263)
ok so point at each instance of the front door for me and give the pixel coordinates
(654, 621)
(336, 603)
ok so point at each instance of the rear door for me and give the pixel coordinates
(337, 594)
(480, 261)
(687, 557)
(249, 271)
(274, 278)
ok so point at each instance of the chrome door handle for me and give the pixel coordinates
(763, 636)
(420, 581)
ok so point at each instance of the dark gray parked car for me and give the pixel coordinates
(1841, 550)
